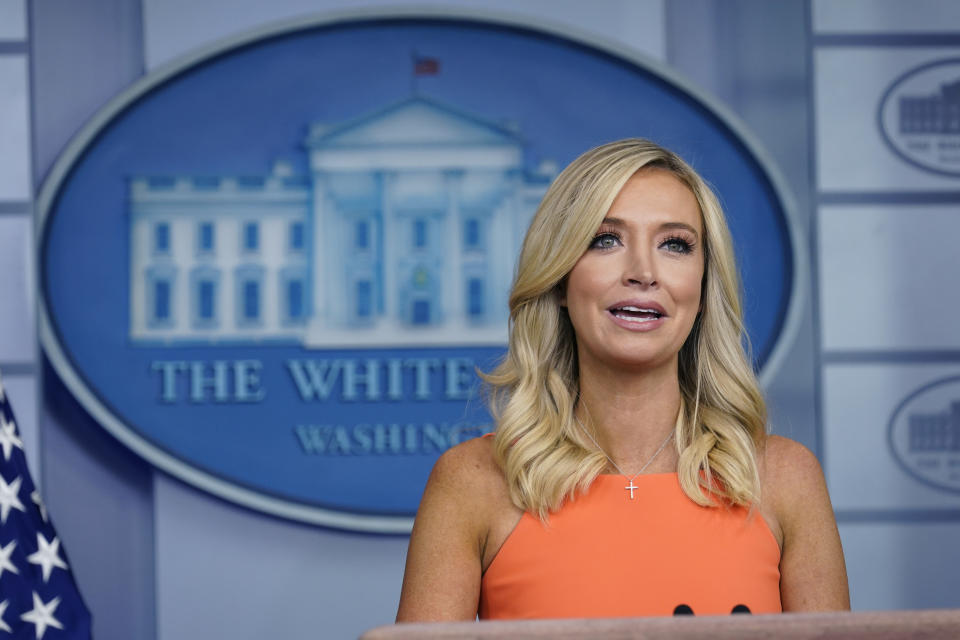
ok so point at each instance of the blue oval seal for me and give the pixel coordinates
(273, 268)
(924, 434)
(919, 116)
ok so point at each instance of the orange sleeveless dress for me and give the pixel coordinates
(604, 555)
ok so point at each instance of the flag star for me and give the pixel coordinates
(41, 616)
(3, 624)
(35, 496)
(8, 437)
(9, 498)
(47, 555)
(5, 553)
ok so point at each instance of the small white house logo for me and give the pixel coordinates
(919, 116)
(924, 434)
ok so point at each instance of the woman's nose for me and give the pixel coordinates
(640, 269)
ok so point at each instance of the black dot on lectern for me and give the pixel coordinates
(683, 610)
(741, 608)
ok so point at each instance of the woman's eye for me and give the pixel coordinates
(605, 241)
(676, 245)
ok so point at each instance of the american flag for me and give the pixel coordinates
(39, 599)
(425, 66)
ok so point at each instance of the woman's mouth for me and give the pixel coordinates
(636, 314)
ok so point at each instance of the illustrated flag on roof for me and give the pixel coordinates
(425, 66)
(39, 599)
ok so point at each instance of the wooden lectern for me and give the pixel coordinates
(878, 625)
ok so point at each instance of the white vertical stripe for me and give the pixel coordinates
(14, 129)
(17, 325)
(13, 20)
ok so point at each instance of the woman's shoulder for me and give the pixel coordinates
(812, 570)
(451, 533)
(470, 467)
(786, 463)
(792, 480)
(468, 493)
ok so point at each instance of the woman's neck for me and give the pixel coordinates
(631, 413)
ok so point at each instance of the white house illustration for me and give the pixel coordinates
(937, 113)
(405, 232)
(935, 432)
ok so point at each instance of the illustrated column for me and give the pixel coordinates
(391, 236)
(453, 297)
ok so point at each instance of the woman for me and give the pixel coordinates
(630, 473)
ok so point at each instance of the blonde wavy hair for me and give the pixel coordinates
(533, 392)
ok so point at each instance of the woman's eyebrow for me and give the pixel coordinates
(614, 222)
(619, 222)
(680, 225)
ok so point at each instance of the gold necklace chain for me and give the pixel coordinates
(630, 486)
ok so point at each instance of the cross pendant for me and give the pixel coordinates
(631, 487)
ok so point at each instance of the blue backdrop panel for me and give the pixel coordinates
(237, 112)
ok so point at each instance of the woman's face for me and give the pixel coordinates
(634, 294)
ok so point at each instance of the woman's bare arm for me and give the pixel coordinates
(444, 560)
(813, 575)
